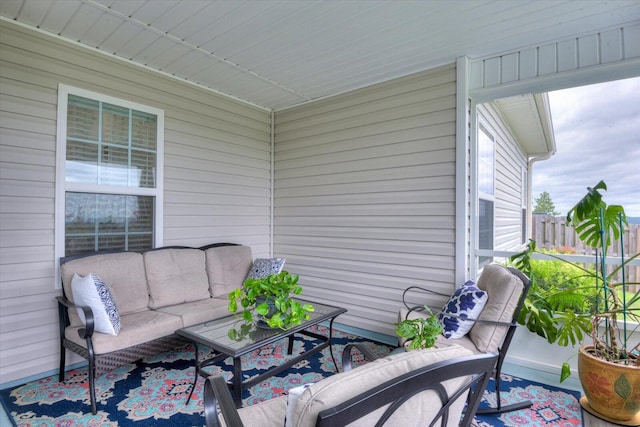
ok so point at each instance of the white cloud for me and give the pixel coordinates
(597, 132)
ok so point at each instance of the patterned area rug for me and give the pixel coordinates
(552, 406)
(154, 392)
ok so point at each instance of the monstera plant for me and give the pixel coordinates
(608, 366)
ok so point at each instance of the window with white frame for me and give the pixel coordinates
(486, 192)
(109, 182)
(523, 203)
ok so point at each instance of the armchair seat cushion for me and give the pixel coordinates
(464, 341)
(268, 413)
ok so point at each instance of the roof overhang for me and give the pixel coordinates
(529, 118)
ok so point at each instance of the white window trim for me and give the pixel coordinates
(484, 127)
(62, 187)
(476, 195)
(524, 196)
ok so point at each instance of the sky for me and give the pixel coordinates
(597, 133)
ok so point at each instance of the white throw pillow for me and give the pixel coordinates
(467, 302)
(91, 291)
(292, 398)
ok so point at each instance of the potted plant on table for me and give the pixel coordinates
(420, 332)
(609, 368)
(271, 297)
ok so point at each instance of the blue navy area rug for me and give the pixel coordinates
(154, 391)
(552, 406)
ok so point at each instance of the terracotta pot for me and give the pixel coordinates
(611, 389)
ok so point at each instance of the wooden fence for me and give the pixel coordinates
(552, 232)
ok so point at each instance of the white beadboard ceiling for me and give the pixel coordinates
(276, 54)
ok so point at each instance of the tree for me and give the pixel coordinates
(544, 204)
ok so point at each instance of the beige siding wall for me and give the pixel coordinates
(509, 188)
(217, 177)
(365, 194)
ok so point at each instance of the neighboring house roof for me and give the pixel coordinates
(277, 54)
(529, 118)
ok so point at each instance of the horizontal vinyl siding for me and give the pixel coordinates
(510, 160)
(365, 195)
(216, 177)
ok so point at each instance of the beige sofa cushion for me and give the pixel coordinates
(136, 328)
(175, 276)
(122, 272)
(504, 289)
(199, 311)
(340, 387)
(227, 267)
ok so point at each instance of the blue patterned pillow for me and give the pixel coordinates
(263, 267)
(91, 291)
(466, 302)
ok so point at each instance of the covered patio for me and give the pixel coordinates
(339, 135)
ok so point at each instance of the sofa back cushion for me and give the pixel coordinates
(504, 289)
(227, 267)
(338, 388)
(175, 276)
(122, 272)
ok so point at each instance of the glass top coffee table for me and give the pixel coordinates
(232, 337)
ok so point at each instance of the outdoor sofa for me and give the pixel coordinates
(142, 299)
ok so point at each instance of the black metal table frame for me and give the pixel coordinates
(238, 385)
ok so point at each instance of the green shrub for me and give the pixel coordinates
(561, 293)
(563, 286)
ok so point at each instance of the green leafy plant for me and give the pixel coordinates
(271, 298)
(560, 294)
(421, 332)
(245, 329)
(589, 301)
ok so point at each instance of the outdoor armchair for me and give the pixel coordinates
(431, 387)
(492, 331)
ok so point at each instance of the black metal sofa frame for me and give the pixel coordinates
(99, 364)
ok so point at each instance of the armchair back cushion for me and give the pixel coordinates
(176, 276)
(336, 389)
(122, 272)
(504, 289)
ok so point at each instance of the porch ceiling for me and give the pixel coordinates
(276, 54)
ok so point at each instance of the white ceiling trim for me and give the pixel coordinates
(282, 53)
